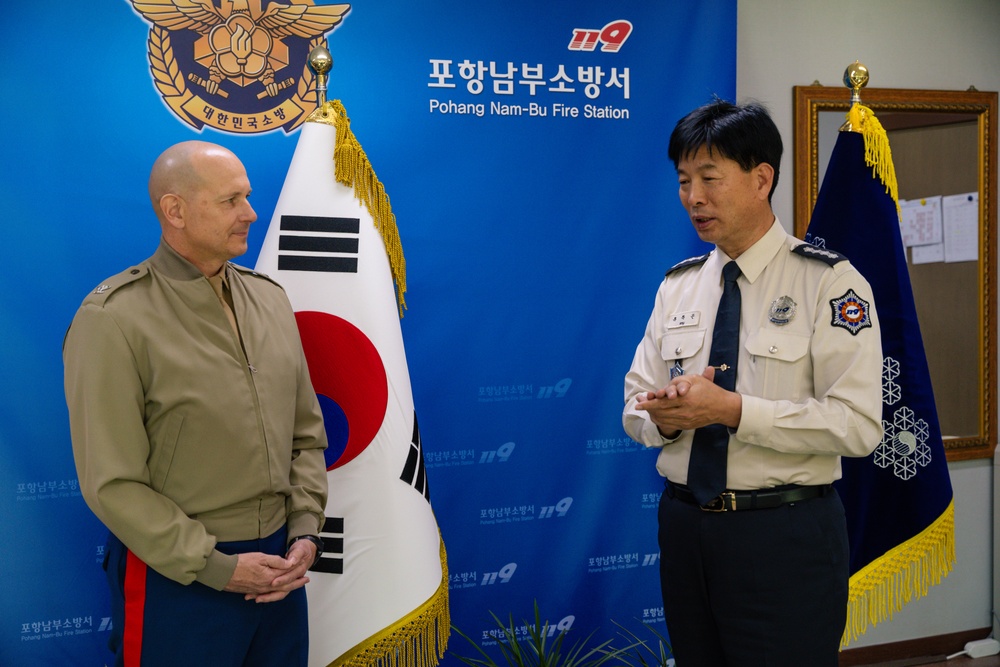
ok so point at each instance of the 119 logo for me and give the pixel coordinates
(610, 37)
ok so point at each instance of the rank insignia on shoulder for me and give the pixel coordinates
(822, 254)
(851, 312)
(105, 290)
(692, 261)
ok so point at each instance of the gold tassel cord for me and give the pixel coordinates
(355, 171)
(417, 640)
(901, 575)
(878, 156)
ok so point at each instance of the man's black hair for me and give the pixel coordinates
(744, 134)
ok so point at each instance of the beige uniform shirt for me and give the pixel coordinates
(809, 370)
(182, 436)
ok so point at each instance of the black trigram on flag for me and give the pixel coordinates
(332, 560)
(333, 244)
(414, 472)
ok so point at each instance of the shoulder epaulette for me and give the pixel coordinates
(252, 272)
(101, 293)
(822, 254)
(687, 263)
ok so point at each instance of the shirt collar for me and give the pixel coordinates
(173, 265)
(756, 258)
(220, 281)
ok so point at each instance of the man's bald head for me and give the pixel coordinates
(199, 191)
(181, 169)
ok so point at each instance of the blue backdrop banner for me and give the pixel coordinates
(523, 146)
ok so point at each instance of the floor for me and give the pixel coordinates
(942, 661)
(935, 651)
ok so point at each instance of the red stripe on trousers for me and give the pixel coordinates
(135, 604)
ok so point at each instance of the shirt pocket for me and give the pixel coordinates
(163, 446)
(780, 359)
(680, 346)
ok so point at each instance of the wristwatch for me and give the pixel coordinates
(315, 540)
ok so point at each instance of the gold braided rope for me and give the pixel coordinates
(417, 640)
(355, 171)
(900, 575)
(878, 156)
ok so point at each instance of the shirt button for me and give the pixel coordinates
(773, 349)
(678, 350)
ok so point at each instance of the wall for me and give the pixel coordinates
(932, 44)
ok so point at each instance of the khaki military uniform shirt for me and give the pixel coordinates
(184, 437)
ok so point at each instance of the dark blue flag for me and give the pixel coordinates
(899, 506)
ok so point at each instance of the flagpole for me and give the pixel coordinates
(855, 78)
(862, 120)
(321, 62)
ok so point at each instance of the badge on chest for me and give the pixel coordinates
(782, 310)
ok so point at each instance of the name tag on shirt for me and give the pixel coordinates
(688, 319)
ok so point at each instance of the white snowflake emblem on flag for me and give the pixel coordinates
(817, 241)
(904, 440)
(891, 392)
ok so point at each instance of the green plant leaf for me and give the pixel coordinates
(536, 650)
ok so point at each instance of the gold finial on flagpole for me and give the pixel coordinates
(321, 62)
(855, 78)
(862, 120)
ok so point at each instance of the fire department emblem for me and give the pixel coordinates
(851, 312)
(237, 65)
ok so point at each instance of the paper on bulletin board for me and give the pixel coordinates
(960, 214)
(920, 221)
(927, 254)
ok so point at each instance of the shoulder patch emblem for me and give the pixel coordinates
(822, 254)
(851, 312)
(687, 263)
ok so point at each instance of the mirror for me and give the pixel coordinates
(943, 143)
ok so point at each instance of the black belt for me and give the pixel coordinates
(758, 499)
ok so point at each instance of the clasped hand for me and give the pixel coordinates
(689, 402)
(265, 578)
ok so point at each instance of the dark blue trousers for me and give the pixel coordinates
(755, 588)
(158, 622)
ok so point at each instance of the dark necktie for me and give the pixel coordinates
(707, 468)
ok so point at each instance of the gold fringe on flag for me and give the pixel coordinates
(354, 170)
(877, 154)
(417, 640)
(901, 575)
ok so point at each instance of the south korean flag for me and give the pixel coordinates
(382, 581)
